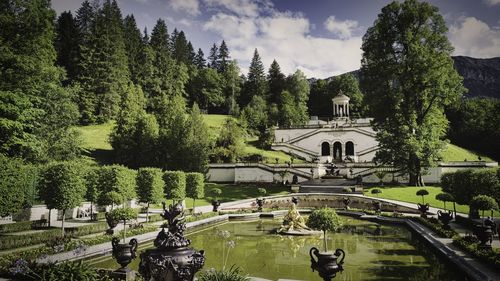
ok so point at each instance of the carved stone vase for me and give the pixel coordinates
(445, 218)
(124, 253)
(377, 205)
(112, 223)
(215, 205)
(485, 236)
(172, 259)
(423, 208)
(327, 265)
(260, 203)
(346, 202)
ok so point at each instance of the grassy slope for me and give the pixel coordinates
(407, 194)
(95, 142)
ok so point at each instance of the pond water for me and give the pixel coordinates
(373, 252)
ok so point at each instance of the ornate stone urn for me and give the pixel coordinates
(112, 223)
(485, 236)
(215, 205)
(172, 260)
(327, 264)
(346, 202)
(377, 206)
(124, 253)
(260, 202)
(423, 208)
(445, 218)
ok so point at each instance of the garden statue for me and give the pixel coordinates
(445, 217)
(260, 202)
(172, 260)
(294, 223)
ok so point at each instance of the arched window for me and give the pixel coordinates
(337, 151)
(349, 148)
(325, 149)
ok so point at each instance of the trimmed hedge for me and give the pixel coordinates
(469, 244)
(16, 227)
(175, 184)
(466, 184)
(436, 226)
(195, 185)
(116, 179)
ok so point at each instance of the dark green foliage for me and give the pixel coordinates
(213, 57)
(16, 227)
(117, 184)
(62, 186)
(150, 186)
(470, 243)
(229, 144)
(484, 203)
(445, 197)
(262, 191)
(66, 44)
(195, 185)
(199, 59)
(407, 84)
(475, 124)
(325, 219)
(103, 69)
(276, 81)
(215, 192)
(175, 185)
(133, 47)
(206, 89)
(466, 184)
(181, 51)
(136, 132)
(422, 192)
(18, 185)
(223, 58)
(436, 226)
(36, 112)
(322, 92)
(256, 84)
(376, 191)
(64, 271)
(255, 114)
(123, 214)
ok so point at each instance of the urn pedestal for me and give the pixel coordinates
(485, 235)
(445, 218)
(423, 208)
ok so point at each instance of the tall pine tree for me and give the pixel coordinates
(66, 43)
(199, 59)
(256, 83)
(223, 57)
(276, 81)
(213, 57)
(133, 47)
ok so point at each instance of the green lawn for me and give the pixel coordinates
(407, 194)
(456, 153)
(96, 136)
(232, 192)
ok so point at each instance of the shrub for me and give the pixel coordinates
(233, 274)
(376, 191)
(123, 214)
(325, 219)
(465, 184)
(262, 191)
(422, 192)
(16, 227)
(436, 226)
(215, 192)
(150, 186)
(469, 244)
(195, 186)
(175, 185)
(445, 197)
(483, 202)
(118, 179)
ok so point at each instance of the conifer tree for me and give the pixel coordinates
(199, 59)
(223, 57)
(66, 43)
(213, 57)
(192, 54)
(256, 81)
(276, 81)
(133, 47)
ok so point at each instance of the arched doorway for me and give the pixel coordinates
(349, 148)
(325, 149)
(337, 151)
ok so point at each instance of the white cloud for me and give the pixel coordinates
(343, 29)
(287, 38)
(472, 37)
(250, 8)
(191, 7)
(492, 2)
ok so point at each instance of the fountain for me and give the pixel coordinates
(294, 223)
(171, 260)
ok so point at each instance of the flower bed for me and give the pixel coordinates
(469, 245)
(436, 226)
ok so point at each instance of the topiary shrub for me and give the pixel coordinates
(445, 197)
(483, 203)
(123, 214)
(118, 179)
(195, 186)
(325, 219)
(150, 187)
(376, 191)
(422, 192)
(175, 185)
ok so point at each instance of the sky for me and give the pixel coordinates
(320, 37)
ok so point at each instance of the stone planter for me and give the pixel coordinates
(423, 208)
(124, 253)
(327, 264)
(260, 202)
(215, 205)
(485, 235)
(445, 218)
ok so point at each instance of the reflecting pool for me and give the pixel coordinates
(373, 252)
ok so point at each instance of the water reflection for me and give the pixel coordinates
(373, 252)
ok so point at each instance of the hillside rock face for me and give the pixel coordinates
(481, 76)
